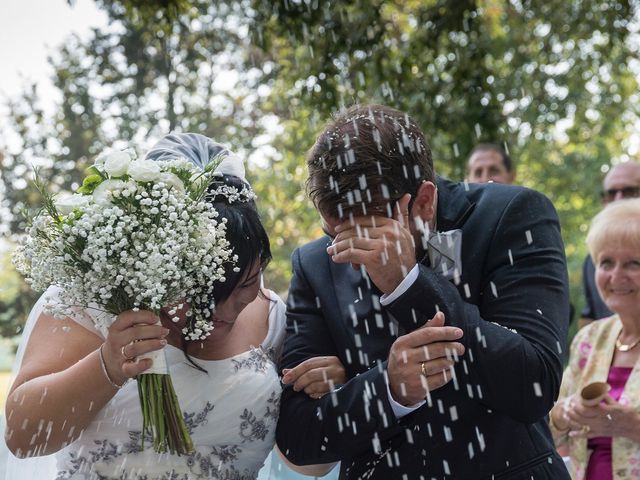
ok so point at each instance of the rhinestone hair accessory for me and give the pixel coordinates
(232, 164)
(233, 195)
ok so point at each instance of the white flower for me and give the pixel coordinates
(102, 193)
(158, 246)
(67, 203)
(116, 164)
(171, 180)
(144, 170)
(100, 159)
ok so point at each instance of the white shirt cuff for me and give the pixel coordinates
(400, 410)
(403, 287)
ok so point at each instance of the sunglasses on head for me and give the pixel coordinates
(627, 192)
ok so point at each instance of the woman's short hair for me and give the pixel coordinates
(617, 225)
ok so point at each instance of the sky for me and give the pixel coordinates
(29, 31)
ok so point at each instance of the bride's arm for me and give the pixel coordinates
(61, 384)
(316, 376)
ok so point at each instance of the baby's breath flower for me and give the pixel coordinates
(133, 244)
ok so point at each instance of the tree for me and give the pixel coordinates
(16, 298)
(133, 83)
(551, 80)
(153, 70)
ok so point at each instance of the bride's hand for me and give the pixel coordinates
(316, 376)
(132, 334)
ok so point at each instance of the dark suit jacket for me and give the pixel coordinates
(512, 304)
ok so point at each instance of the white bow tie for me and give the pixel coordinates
(445, 250)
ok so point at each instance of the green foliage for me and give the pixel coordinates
(16, 298)
(551, 81)
(90, 183)
(158, 67)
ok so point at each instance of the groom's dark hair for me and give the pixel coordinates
(365, 159)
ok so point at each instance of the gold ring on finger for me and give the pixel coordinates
(124, 354)
(423, 369)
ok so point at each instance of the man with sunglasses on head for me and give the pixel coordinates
(622, 181)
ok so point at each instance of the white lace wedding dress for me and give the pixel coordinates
(231, 413)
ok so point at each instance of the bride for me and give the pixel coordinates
(72, 406)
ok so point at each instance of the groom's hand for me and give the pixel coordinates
(422, 361)
(385, 246)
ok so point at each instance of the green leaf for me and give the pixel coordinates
(90, 183)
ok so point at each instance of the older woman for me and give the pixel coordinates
(604, 440)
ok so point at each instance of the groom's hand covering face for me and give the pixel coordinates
(385, 246)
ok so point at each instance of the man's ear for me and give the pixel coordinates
(425, 203)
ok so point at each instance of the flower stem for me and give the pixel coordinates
(161, 415)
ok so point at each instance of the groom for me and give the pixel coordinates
(466, 400)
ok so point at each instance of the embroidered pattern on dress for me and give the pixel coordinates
(134, 445)
(192, 420)
(271, 353)
(251, 428)
(257, 360)
(273, 406)
(210, 466)
(108, 452)
(124, 459)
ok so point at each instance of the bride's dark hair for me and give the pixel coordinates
(232, 198)
(245, 232)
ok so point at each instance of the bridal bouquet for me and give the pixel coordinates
(137, 235)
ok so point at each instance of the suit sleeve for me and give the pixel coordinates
(344, 423)
(516, 334)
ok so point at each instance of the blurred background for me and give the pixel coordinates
(554, 82)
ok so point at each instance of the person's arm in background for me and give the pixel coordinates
(588, 311)
(525, 311)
